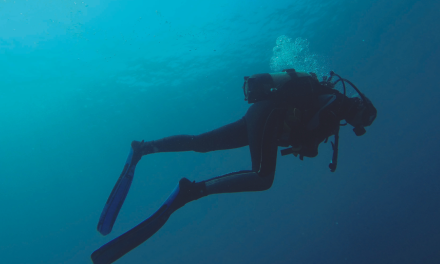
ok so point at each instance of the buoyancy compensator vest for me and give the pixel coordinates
(313, 113)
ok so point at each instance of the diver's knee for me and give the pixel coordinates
(266, 180)
(268, 184)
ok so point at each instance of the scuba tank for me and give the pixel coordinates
(268, 86)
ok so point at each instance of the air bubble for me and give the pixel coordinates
(295, 54)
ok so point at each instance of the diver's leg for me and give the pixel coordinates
(230, 136)
(258, 129)
(261, 124)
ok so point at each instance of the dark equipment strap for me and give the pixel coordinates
(335, 146)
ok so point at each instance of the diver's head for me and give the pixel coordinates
(361, 114)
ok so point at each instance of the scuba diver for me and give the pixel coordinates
(289, 109)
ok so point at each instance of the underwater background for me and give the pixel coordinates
(79, 80)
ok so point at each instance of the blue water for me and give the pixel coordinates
(80, 80)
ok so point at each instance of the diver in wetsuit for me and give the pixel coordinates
(289, 109)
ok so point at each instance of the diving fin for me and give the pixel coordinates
(123, 244)
(118, 194)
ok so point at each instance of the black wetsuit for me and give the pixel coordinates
(258, 129)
